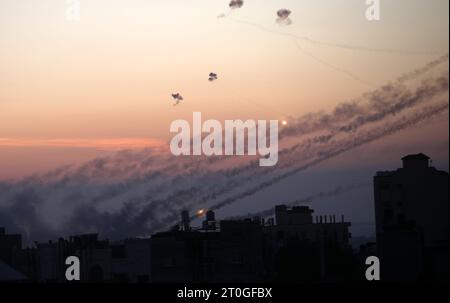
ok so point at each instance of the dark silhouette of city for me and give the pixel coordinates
(412, 233)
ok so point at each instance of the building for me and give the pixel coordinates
(315, 243)
(179, 256)
(298, 222)
(412, 220)
(229, 253)
(250, 250)
(16, 264)
(9, 245)
(293, 249)
(94, 255)
(9, 274)
(130, 261)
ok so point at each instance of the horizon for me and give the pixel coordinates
(86, 106)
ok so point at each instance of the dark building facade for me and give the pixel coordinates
(252, 250)
(9, 246)
(233, 253)
(100, 260)
(304, 249)
(294, 249)
(412, 221)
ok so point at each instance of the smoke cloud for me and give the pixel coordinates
(283, 17)
(308, 200)
(235, 4)
(135, 193)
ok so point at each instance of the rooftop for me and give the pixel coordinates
(420, 156)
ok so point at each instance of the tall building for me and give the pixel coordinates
(321, 248)
(9, 244)
(210, 221)
(185, 220)
(412, 220)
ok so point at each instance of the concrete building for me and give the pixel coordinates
(231, 253)
(13, 256)
(100, 260)
(131, 261)
(412, 220)
(247, 250)
(298, 222)
(9, 274)
(316, 245)
(9, 245)
(95, 258)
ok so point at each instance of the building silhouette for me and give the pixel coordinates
(290, 248)
(412, 221)
(253, 250)
(412, 232)
(306, 250)
(9, 245)
(231, 253)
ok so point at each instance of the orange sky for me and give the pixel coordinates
(105, 82)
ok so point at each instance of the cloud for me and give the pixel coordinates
(309, 199)
(212, 77)
(283, 17)
(235, 4)
(139, 192)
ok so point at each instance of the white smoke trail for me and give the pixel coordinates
(333, 44)
(149, 189)
(342, 147)
(308, 200)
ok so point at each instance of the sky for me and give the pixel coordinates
(74, 91)
(110, 75)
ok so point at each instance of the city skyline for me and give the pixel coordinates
(287, 243)
(86, 108)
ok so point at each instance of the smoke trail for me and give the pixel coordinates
(333, 67)
(131, 219)
(200, 194)
(147, 190)
(407, 99)
(307, 124)
(240, 176)
(342, 147)
(348, 110)
(336, 149)
(308, 200)
(330, 44)
(374, 109)
(420, 71)
(333, 44)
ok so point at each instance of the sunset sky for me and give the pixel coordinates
(70, 91)
(75, 94)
